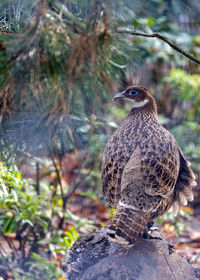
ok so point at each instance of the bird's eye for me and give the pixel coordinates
(133, 92)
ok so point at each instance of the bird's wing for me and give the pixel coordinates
(151, 173)
(114, 160)
(163, 167)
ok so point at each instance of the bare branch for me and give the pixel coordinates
(37, 185)
(58, 178)
(156, 35)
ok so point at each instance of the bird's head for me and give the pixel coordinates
(139, 98)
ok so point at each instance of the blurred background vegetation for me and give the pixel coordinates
(60, 63)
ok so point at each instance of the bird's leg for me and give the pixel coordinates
(127, 226)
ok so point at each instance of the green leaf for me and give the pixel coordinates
(150, 21)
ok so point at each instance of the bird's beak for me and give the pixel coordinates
(119, 95)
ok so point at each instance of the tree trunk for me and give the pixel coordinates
(94, 257)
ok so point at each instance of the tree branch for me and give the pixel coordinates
(156, 35)
(37, 185)
(59, 179)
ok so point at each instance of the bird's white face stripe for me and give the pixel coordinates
(136, 104)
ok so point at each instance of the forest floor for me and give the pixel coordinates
(187, 243)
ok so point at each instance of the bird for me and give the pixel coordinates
(144, 171)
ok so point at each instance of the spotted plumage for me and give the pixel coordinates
(144, 172)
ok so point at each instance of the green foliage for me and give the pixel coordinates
(60, 61)
(79, 222)
(16, 14)
(187, 88)
(71, 236)
(61, 69)
(41, 268)
(26, 220)
(19, 208)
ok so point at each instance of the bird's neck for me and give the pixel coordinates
(148, 106)
(148, 111)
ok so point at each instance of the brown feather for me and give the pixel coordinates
(143, 168)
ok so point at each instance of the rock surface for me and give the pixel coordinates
(94, 257)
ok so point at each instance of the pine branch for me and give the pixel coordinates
(156, 35)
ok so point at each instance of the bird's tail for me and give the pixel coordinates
(184, 185)
(128, 225)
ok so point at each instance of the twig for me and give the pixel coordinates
(61, 189)
(34, 247)
(11, 245)
(58, 177)
(77, 180)
(38, 178)
(70, 192)
(156, 35)
(2, 250)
